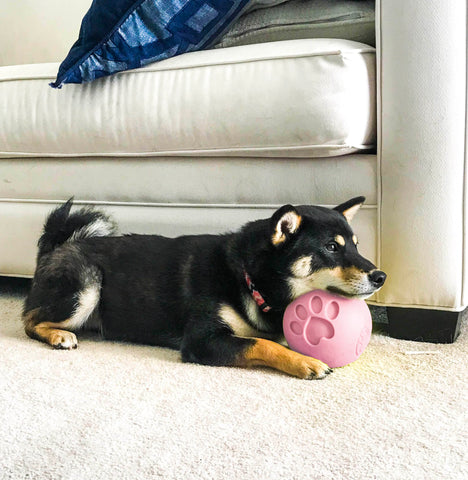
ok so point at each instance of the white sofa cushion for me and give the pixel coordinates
(228, 181)
(298, 98)
(21, 223)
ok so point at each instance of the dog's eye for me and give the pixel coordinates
(332, 247)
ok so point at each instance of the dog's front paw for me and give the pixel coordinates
(313, 369)
(270, 354)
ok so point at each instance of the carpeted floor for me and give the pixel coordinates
(117, 411)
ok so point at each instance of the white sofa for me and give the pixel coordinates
(191, 172)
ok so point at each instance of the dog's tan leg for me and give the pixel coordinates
(49, 332)
(59, 334)
(270, 354)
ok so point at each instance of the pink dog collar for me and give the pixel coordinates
(259, 300)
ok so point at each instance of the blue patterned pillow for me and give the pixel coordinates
(119, 35)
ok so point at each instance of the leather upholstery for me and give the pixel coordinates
(204, 180)
(39, 32)
(217, 102)
(21, 223)
(413, 227)
(422, 152)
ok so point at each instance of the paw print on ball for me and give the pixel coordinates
(315, 321)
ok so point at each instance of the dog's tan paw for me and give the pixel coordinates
(313, 369)
(267, 353)
(63, 340)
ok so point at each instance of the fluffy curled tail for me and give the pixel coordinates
(62, 226)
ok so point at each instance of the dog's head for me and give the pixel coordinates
(315, 248)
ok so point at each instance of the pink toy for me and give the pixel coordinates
(331, 328)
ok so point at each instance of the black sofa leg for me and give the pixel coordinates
(421, 325)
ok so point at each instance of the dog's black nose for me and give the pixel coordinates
(377, 278)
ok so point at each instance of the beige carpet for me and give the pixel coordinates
(116, 411)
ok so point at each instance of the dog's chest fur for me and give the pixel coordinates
(254, 326)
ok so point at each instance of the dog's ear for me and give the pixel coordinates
(350, 208)
(284, 223)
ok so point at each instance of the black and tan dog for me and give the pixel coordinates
(220, 299)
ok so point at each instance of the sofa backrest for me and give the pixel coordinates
(33, 31)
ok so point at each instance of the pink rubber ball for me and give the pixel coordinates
(331, 328)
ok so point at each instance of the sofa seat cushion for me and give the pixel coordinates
(297, 98)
